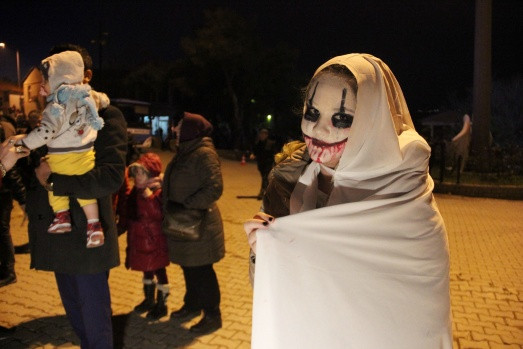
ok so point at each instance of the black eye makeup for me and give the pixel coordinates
(311, 113)
(342, 119)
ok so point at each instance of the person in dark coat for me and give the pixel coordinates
(141, 215)
(263, 151)
(193, 178)
(81, 273)
(11, 186)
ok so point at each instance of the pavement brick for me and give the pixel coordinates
(471, 344)
(504, 346)
(491, 338)
(486, 273)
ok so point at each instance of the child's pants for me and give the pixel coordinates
(70, 164)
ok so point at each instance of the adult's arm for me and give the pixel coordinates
(13, 181)
(108, 173)
(210, 175)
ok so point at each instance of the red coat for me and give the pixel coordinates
(146, 243)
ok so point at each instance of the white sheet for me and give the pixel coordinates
(370, 270)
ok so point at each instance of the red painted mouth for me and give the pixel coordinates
(318, 143)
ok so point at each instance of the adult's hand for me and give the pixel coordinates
(259, 221)
(43, 171)
(9, 153)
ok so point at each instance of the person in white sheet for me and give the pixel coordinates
(350, 249)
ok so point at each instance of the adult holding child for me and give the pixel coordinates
(351, 250)
(82, 273)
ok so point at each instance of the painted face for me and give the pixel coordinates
(327, 118)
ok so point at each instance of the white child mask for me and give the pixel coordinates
(327, 117)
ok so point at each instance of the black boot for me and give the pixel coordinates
(148, 302)
(185, 314)
(210, 322)
(9, 278)
(160, 308)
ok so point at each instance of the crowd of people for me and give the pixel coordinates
(348, 249)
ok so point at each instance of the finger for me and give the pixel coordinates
(265, 217)
(253, 224)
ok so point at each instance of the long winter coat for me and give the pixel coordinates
(194, 179)
(146, 243)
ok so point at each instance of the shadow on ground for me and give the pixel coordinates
(130, 331)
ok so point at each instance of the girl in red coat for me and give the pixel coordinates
(146, 244)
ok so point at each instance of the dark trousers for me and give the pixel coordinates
(87, 303)
(202, 289)
(7, 252)
(264, 173)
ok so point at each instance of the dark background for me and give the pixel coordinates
(428, 44)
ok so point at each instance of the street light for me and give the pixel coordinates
(2, 45)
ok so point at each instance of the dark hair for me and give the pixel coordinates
(339, 70)
(88, 61)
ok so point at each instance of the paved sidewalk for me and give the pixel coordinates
(486, 245)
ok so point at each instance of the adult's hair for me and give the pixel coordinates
(88, 61)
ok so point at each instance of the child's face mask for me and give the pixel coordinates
(327, 117)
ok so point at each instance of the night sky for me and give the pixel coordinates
(428, 44)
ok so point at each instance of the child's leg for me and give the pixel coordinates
(161, 276)
(69, 164)
(90, 208)
(160, 308)
(95, 234)
(62, 220)
(149, 287)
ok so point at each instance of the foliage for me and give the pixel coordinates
(507, 111)
(240, 77)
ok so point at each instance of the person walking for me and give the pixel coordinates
(193, 179)
(141, 215)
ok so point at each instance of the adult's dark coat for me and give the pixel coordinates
(194, 179)
(67, 253)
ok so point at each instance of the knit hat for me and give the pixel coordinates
(194, 126)
(63, 68)
(149, 162)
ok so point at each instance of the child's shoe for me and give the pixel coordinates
(61, 223)
(95, 235)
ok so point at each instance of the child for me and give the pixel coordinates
(68, 128)
(141, 215)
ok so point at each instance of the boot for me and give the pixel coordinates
(160, 308)
(148, 303)
(210, 322)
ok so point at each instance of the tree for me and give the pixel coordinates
(226, 59)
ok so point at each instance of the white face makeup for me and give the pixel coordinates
(327, 118)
